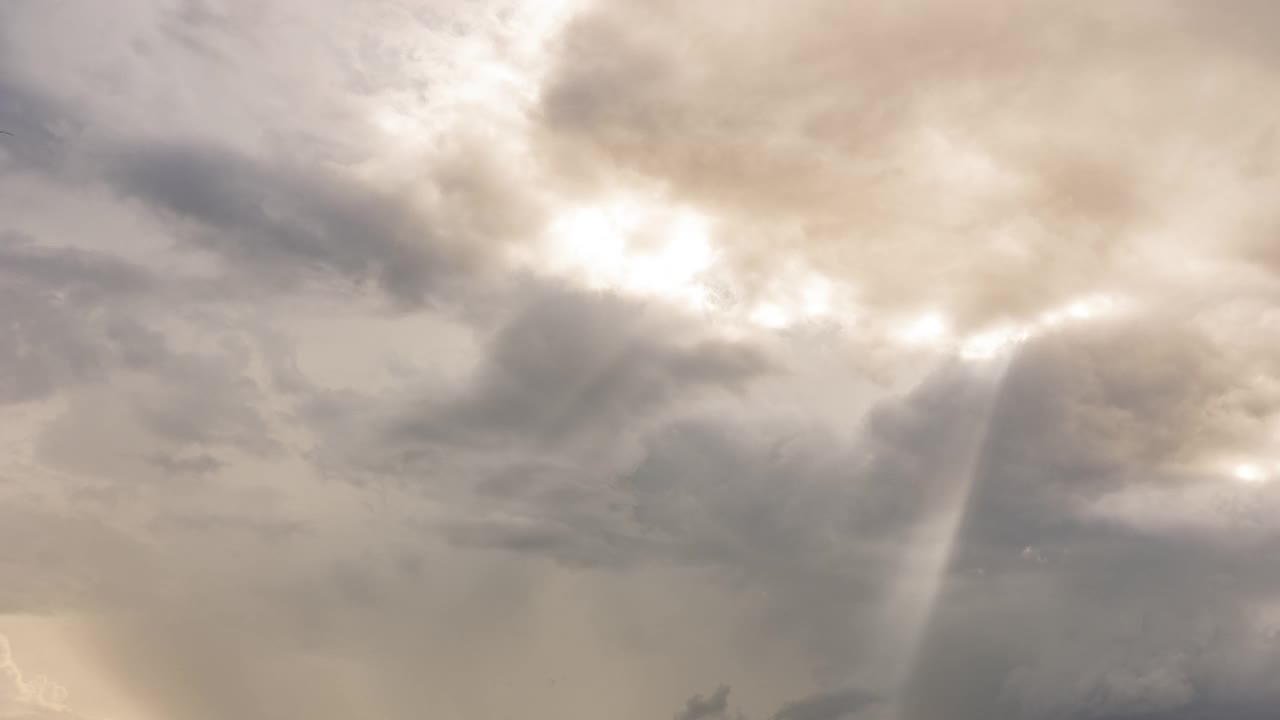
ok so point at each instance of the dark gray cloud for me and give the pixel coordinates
(195, 465)
(84, 276)
(571, 361)
(283, 222)
(566, 372)
(1141, 403)
(56, 329)
(809, 525)
(826, 706)
(814, 523)
(1081, 420)
(39, 128)
(699, 707)
(298, 212)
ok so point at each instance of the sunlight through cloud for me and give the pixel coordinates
(1250, 473)
(930, 329)
(770, 315)
(994, 342)
(642, 249)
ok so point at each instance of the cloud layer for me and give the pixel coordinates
(525, 359)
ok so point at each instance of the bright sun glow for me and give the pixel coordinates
(991, 343)
(645, 250)
(994, 342)
(1249, 473)
(645, 247)
(930, 329)
(770, 315)
(816, 297)
(1086, 308)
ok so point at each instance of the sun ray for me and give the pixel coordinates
(912, 599)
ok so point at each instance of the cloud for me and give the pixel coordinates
(984, 139)
(571, 360)
(826, 706)
(699, 707)
(303, 419)
(49, 340)
(276, 220)
(1118, 692)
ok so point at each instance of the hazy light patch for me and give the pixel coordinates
(770, 315)
(484, 68)
(650, 248)
(1086, 308)
(1250, 473)
(673, 269)
(992, 343)
(964, 172)
(796, 295)
(816, 297)
(995, 342)
(399, 125)
(646, 246)
(931, 329)
(638, 248)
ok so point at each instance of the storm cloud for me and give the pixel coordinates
(878, 361)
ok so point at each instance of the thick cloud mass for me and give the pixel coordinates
(986, 157)
(524, 359)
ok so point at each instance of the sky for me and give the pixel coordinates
(635, 359)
